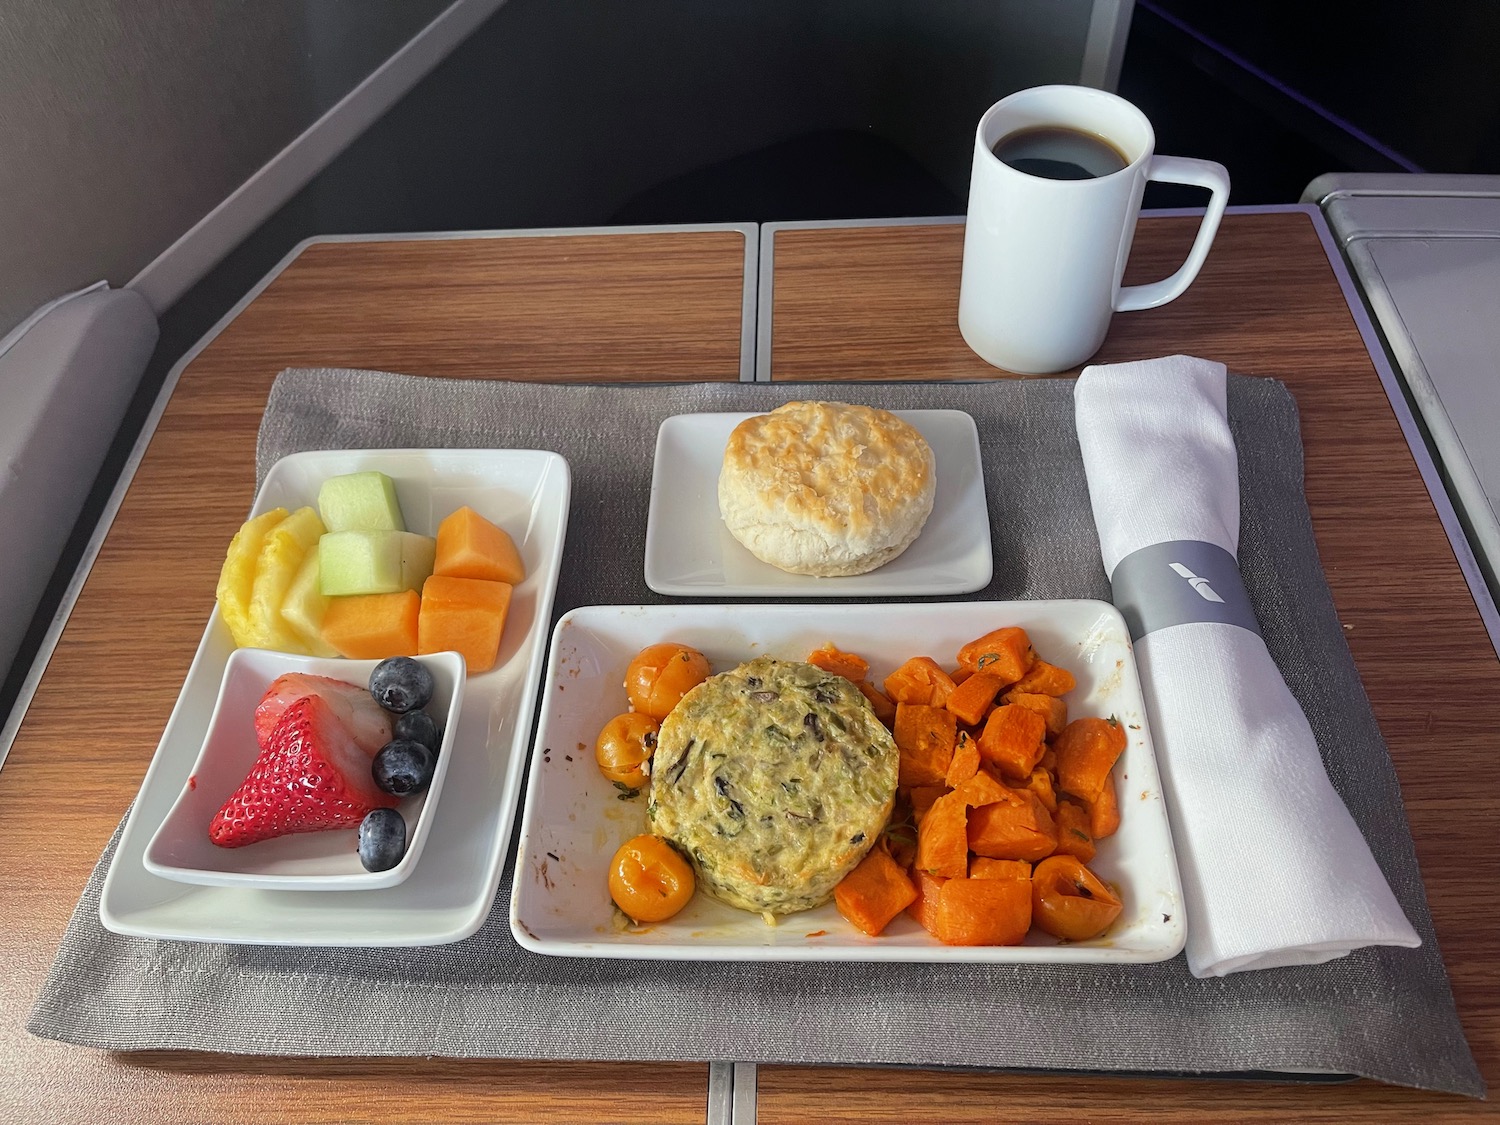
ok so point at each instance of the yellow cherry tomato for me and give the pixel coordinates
(649, 880)
(660, 675)
(624, 748)
(1069, 901)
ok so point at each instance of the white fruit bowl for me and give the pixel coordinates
(310, 861)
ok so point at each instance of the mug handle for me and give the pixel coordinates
(1181, 170)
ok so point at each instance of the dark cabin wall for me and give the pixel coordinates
(1421, 81)
(124, 122)
(1283, 91)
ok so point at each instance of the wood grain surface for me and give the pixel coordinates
(1267, 303)
(640, 306)
(668, 305)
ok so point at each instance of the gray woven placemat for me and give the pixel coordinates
(1382, 1013)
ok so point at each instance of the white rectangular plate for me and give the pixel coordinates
(450, 893)
(574, 821)
(181, 849)
(690, 553)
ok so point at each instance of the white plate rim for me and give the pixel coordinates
(898, 578)
(553, 484)
(861, 949)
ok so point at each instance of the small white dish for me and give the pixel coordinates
(575, 819)
(450, 895)
(690, 553)
(308, 861)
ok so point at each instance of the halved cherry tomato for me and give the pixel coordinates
(649, 880)
(624, 749)
(1069, 901)
(660, 675)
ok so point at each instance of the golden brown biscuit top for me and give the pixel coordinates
(832, 461)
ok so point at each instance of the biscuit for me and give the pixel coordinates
(826, 488)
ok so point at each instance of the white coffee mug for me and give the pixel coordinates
(1043, 257)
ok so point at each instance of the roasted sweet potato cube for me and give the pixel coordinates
(921, 798)
(829, 658)
(900, 840)
(926, 737)
(1087, 750)
(982, 867)
(1012, 740)
(959, 675)
(984, 911)
(874, 892)
(919, 680)
(1040, 783)
(1005, 652)
(1021, 828)
(1074, 834)
(1054, 711)
(942, 838)
(984, 788)
(1104, 810)
(924, 906)
(965, 763)
(971, 700)
(1046, 679)
(880, 703)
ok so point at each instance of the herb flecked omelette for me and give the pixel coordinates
(774, 778)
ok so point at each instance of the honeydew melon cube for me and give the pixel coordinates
(373, 562)
(360, 502)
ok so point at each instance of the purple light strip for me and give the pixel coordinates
(1270, 80)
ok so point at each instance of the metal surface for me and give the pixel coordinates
(721, 1093)
(1425, 251)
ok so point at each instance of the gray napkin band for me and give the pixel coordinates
(1179, 583)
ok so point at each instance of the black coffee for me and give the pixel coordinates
(1057, 153)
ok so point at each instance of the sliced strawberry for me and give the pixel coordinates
(368, 723)
(310, 776)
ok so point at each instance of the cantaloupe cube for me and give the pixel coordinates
(373, 626)
(465, 615)
(470, 546)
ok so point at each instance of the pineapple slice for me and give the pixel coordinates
(281, 555)
(237, 576)
(304, 606)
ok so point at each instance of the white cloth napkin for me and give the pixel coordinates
(1274, 869)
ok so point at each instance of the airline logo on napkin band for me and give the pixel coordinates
(1200, 585)
(1180, 583)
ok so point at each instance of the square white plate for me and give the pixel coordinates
(307, 861)
(690, 553)
(574, 819)
(450, 893)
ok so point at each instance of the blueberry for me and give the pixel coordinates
(401, 684)
(382, 839)
(402, 767)
(418, 727)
